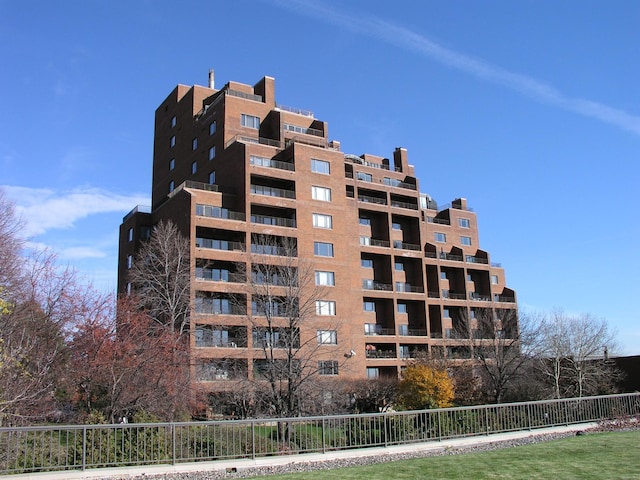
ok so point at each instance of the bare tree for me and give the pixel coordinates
(574, 360)
(284, 300)
(501, 341)
(161, 276)
(11, 244)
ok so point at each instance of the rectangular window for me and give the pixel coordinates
(172, 186)
(494, 279)
(469, 278)
(172, 141)
(212, 178)
(172, 164)
(465, 241)
(322, 221)
(194, 167)
(328, 367)
(194, 144)
(392, 182)
(325, 307)
(373, 372)
(396, 226)
(440, 237)
(173, 121)
(366, 221)
(443, 275)
(249, 121)
(402, 307)
(365, 177)
(366, 263)
(129, 261)
(463, 222)
(399, 266)
(325, 278)
(130, 235)
(321, 193)
(327, 337)
(212, 153)
(212, 128)
(320, 166)
(445, 313)
(364, 240)
(369, 306)
(323, 249)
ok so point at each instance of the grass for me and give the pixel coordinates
(612, 455)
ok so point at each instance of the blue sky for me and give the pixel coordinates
(529, 109)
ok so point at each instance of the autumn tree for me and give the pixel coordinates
(425, 387)
(574, 357)
(160, 275)
(124, 362)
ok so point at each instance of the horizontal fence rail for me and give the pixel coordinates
(80, 447)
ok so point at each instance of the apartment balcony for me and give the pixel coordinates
(373, 329)
(370, 199)
(408, 288)
(472, 259)
(214, 244)
(446, 294)
(433, 294)
(406, 246)
(228, 342)
(479, 297)
(276, 221)
(440, 221)
(255, 140)
(374, 242)
(412, 332)
(399, 204)
(272, 191)
(383, 354)
(451, 257)
(212, 211)
(270, 163)
(375, 285)
(504, 299)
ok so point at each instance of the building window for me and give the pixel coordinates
(399, 266)
(194, 167)
(402, 308)
(212, 153)
(366, 263)
(445, 313)
(365, 241)
(321, 193)
(128, 288)
(323, 249)
(369, 306)
(130, 235)
(366, 221)
(325, 278)
(172, 164)
(322, 221)
(249, 121)
(469, 278)
(212, 178)
(320, 166)
(194, 144)
(172, 186)
(212, 128)
(328, 367)
(440, 237)
(365, 177)
(465, 241)
(443, 275)
(463, 222)
(325, 307)
(173, 121)
(172, 141)
(129, 261)
(327, 337)
(494, 279)
(396, 226)
(373, 372)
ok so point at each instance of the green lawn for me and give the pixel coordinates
(614, 455)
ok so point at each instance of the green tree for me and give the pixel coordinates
(425, 387)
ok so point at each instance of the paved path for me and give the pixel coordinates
(239, 465)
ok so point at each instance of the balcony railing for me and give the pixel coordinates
(503, 298)
(408, 288)
(277, 221)
(379, 331)
(230, 342)
(453, 296)
(246, 96)
(472, 259)
(374, 285)
(369, 199)
(304, 130)
(297, 111)
(270, 163)
(441, 221)
(433, 294)
(398, 204)
(272, 191)
(450, 256)
(218, 212)
(413, 332)
(479, 297)
(406, 246)
(381, 354)
(219, 244)
(258, 140)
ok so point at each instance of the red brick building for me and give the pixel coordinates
(396, 270)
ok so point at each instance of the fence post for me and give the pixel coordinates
(173, 443)
(486, 421)
(439, 428)
(324, 443)
(386, 430)
(529, 416)
(253, 439)
(84, 448)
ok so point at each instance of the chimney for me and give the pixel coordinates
(211, 79)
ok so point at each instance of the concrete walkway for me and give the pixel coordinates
(239, 465)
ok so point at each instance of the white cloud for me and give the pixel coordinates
(409, 40)
(45, 209)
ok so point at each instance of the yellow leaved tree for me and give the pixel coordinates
(424, 387)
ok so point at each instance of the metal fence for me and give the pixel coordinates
(80, 447)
